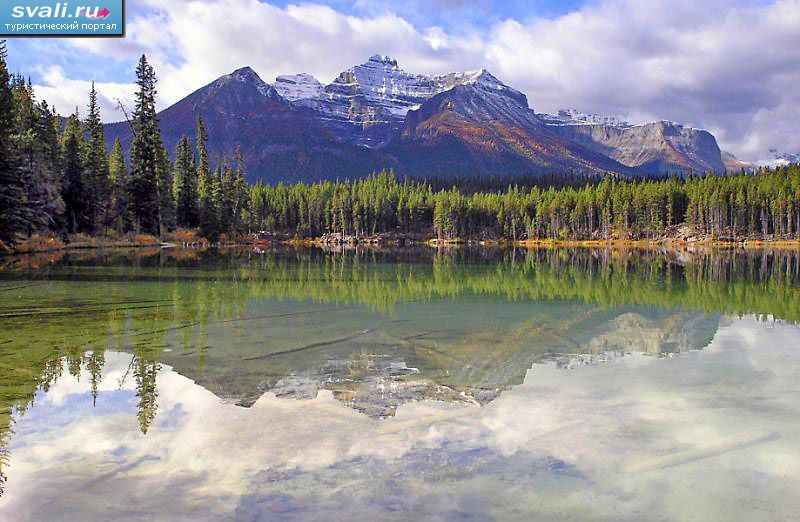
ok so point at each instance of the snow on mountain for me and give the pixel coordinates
(575, 117)
(661, 146)
(376, 115)
(245, 75)
(294, 87)
(367, 103)
(779, 159)
(734, 164)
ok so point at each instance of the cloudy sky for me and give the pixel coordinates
(732, 67)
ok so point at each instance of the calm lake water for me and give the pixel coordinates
(470, 385)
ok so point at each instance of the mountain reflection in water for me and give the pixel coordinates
(412, 340)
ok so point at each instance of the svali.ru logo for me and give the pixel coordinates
(99, 18)
(60, 11)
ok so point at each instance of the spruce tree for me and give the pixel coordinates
(96, 182)
(72, 188)
(118, 212)
(225, 201)
(185, 185)
(212, 226)
(49, 130)
(219, 196)
(164, 183)
(240, 191)
(36, 145)
(13, 210)
(146, 154)
(207, 210)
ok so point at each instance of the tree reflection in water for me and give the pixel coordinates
(63, 311)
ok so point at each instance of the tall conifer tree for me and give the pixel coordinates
(13, 211)
(96, 166)
(36, 146)
(185, 185)
(72, 188)
(207, 210)
(146, 154)
(118, 207)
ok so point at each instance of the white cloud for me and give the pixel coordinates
(68, 95)
(711, 64)
(203, 458)
(732, 67)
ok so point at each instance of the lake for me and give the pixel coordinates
(486, 384)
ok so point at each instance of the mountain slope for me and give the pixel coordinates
(279, 141)
(734, 164)
(367, 104)
(377, 116)
(660, 147)
(482, 127)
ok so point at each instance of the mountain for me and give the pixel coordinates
(482, 126)
(367, 104)
(279, 141)
(661, 147)
(381, 369)
(734, 164)
(377, 116)
(779, 159)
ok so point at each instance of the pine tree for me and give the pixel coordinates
(185, 185)
(146, 154)
(13, 210)
(96, 182)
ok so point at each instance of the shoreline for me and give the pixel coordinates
(652, 243)
(97, 243)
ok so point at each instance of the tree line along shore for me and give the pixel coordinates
(60, 187)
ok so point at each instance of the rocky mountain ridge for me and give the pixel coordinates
(279, 141)
(661, 147)
(368, 102)
(377, 116)
(575, 117)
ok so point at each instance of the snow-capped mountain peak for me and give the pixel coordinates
(481, 77)
(383, 85)
(245, 75)
(376, 115)
(382, 58)
(379, 93)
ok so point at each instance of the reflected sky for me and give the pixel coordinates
(709, 435)
(546, 387)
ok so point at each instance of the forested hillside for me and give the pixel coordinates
(57, 178)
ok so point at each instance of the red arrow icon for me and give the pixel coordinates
(103, 13)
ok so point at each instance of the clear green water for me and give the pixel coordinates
(478, 385)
